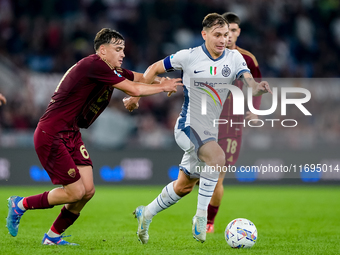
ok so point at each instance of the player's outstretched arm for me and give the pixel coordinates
(150, 76)
(151, 73)
(2, 99)
(131, 103)
(138, 77)
(137, 89)
(259, 88)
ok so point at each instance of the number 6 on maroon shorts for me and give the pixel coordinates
(60, 154)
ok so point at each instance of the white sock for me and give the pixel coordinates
(51, 234)
(165, 199)
(21, 206)
(207, 186)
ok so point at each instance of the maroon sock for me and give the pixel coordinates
(212, 211)
(37, 202)
(63, 221)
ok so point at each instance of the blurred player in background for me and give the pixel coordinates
(81, 96)
(194, 132)
(230, 138)
(2, 99)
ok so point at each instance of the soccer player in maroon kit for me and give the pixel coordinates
(82, 94)
(230, 138)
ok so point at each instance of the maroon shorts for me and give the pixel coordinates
(231, 147)
(60, 154)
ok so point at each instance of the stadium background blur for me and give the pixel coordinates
(297, 43)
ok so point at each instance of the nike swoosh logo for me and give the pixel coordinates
(198, 71)
(207, 185)
(141, 226)
(196, 232)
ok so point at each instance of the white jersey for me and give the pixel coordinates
(198, 66)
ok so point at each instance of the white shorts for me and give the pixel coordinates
(190, 140)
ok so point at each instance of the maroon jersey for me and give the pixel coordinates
(227, 113)
(82, 94)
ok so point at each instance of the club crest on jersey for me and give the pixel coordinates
(213, 70)
(226, 71)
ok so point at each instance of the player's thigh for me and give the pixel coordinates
(182, 138)
(190, 165)
(55, 158)
(79, 153)
(82, 159)
(231, 147)
(212, 154)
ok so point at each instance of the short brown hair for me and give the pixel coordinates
(213, 19)
(105, 35)
(231, 17)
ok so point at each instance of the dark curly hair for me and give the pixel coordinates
(105, 35)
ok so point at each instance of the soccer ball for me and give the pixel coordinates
(241, 233)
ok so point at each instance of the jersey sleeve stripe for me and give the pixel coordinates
(167, 64)
(242, 72)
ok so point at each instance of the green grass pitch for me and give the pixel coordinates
(289, 220)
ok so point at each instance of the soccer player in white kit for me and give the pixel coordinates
(194, 132)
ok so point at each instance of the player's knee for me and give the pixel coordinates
(89, 194)
(219, 159)
(76, 195)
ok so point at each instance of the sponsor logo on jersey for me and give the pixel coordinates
(226, 71)
(210, 94)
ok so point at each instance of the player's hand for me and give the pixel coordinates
(169, 93)
(131, 103)
(251, 116)
(2, 99)
(170, 85)
(262, 88)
